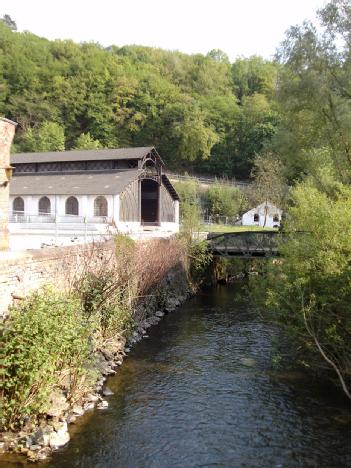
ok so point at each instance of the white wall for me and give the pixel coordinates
(176, 214)
(58, 204)
(248, 220)
(86, 209)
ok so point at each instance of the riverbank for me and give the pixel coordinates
(161, 286)
(204, 390)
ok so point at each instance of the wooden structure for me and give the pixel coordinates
(125, 186)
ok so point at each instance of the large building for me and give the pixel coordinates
(125, 187)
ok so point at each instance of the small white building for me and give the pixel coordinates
(126, 188)
(266, 214)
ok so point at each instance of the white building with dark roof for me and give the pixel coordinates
(126, 188)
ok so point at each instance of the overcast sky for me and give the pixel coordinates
(238, 27)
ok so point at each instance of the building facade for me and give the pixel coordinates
(124, 187)
(7, 132)
(264, 215)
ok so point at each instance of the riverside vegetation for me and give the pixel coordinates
(60, 346)
(287, 122)
(305, 167)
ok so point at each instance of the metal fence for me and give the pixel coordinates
(230, 220)
(207, 180)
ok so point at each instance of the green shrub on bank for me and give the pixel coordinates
(49, 337)
(309, 288)
(225, 200)
(106, 301)
(199, 260)
(45, 337)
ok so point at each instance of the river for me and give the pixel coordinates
(201, 391)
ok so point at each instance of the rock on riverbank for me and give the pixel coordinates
(52, 432)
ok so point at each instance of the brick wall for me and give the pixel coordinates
(23, 272)
(7, 131)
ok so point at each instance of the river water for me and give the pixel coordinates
(202, 392)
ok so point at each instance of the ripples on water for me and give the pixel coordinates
(201, 392)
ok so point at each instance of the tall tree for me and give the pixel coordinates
(6, 19)
(268, 182)
(315, 91)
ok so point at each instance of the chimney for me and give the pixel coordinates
(7, 132)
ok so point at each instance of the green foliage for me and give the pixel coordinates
(254, 75)
(189, 191)
(314, 92)
(49, 338)
(106, 302)
(269, 184)
(85, 141)
(310, 289)
(196, 137)
(199, 259)
(190, 194)
(45, 336)
(186, 105)
(225, 200)
(9, 22)
(191, 219)
(48, 137)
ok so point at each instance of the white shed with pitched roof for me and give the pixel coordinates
(264, 215)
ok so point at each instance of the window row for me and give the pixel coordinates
(257, 218)
(71, 206)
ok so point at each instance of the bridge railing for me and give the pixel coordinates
(245, 243)
(250, 243)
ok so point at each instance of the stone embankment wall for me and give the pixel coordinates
(7, 132)
(26, 271)
(166, 287)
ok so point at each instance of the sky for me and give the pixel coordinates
(238, 27)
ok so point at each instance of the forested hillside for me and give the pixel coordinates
(201, 112)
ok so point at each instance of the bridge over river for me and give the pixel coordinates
(245, 244)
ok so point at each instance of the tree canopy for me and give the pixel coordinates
(202, 112)
(309, 290)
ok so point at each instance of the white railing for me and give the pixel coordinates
(30, 218)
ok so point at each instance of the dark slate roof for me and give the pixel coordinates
(167, 183)
(81, 155)
(85, 183)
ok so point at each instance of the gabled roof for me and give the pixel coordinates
(84, 183)
(262, 207)
(82, 155)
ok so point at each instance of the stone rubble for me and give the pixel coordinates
(38, 442)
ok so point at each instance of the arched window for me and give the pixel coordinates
(256, 218)
(44, 205)
(275, 218)
(18, 205)
(72, 206)
(100, 206)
